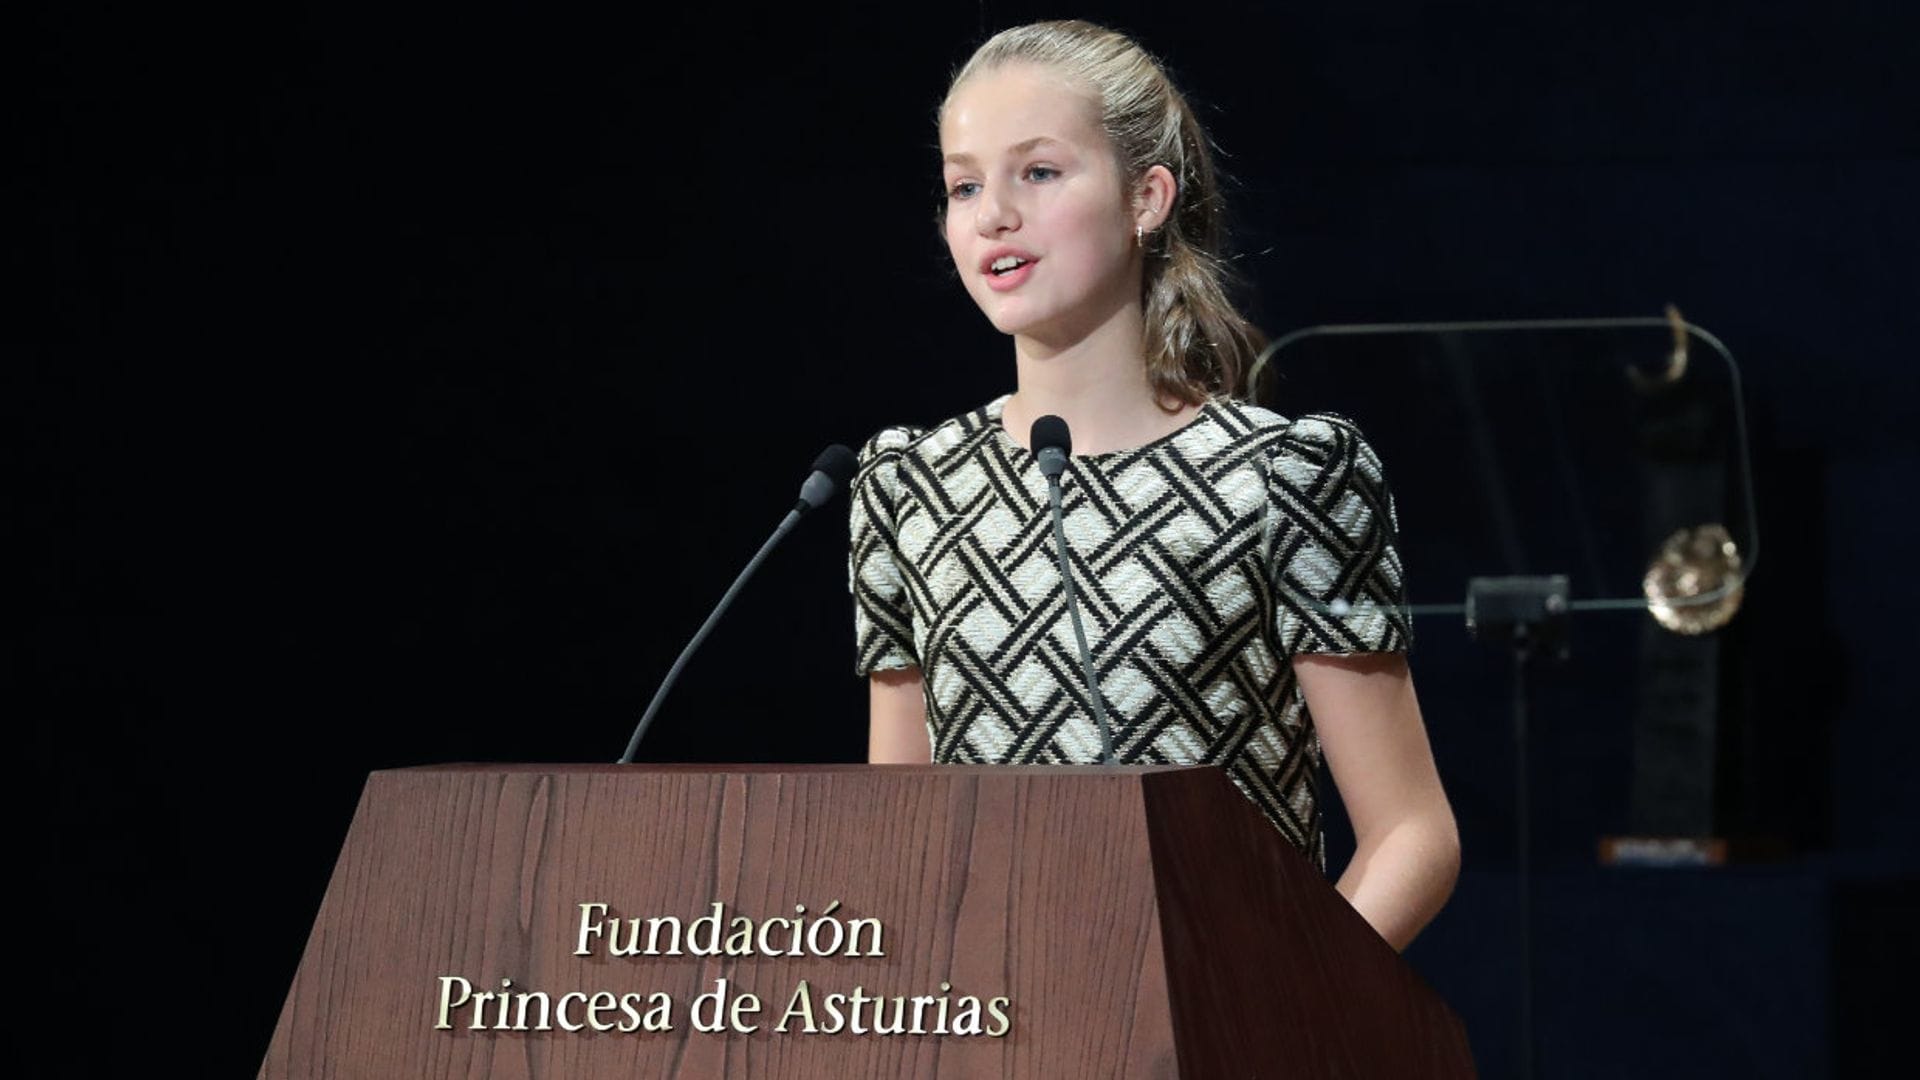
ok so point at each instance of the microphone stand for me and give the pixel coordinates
(1531, 613)
(1079, 631)
(713, 619)
(831, 472)
(1052, 444)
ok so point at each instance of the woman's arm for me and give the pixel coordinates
(1407, 854)
(897, 719)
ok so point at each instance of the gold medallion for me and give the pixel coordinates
(1694, 584)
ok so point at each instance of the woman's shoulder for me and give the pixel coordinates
(891, 444)
(915, 451)
(1312, 441)
(888, 442)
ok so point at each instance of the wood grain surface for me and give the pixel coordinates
(1048, 886)
(1344, 1004)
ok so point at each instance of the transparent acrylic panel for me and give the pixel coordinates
(1574, 447)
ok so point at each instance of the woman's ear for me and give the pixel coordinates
(1153, 197)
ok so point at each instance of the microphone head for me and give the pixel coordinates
(1050, 433)
(831, 471)
(837, 462)
(1051, 445)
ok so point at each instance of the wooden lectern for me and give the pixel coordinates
(584, 921)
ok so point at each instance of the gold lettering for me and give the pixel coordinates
(446, 1004)
(839, 932)
(801, 1002)
(653, 936)
(740, 936)
(589, 927)
(857, 1024)
(998, 1007)
(765, 948)
(854, 926)
(630, 1005)
(717, 998)
(480, 1009)
(710, 922)
(881, 1025)
(748, 1004)
(560, 1011)
(632, 945)
(601, 1002)
(919, 1009)
(832, 1003)
(520, 1017)
(659, 1012)
(966, 1019)
(500, 1022)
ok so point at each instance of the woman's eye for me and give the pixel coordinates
(967, 189)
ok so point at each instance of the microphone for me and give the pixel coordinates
(831, 471)
(1052, 444)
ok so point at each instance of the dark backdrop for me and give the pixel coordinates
(407, 385)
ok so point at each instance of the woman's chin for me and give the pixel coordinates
(999, 317)
(1015, 324)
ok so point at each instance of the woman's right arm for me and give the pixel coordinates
(897, 719)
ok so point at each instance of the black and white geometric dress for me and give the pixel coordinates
(1204, 561)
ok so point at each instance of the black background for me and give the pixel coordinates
(407, 384)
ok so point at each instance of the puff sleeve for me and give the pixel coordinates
(882, 610)
(1334, 558)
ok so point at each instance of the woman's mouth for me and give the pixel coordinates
(1007, 272)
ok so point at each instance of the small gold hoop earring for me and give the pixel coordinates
(1140, 235)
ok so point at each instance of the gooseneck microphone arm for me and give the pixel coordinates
(831, 471)
(1052, 444)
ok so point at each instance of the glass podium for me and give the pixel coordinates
(1610, 452)
(1578, 495)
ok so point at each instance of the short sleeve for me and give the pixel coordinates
(882, 610)
(1334, 559)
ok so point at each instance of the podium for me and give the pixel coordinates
(581, 921)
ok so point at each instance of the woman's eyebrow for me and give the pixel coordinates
(1017, 148)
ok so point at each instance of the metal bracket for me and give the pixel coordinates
(1530, 612)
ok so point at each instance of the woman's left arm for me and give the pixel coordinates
(1407, 853)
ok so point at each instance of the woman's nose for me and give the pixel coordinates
(994, 214)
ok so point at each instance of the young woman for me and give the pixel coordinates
(1236, 570)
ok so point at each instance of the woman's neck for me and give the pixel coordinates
(1097, 383)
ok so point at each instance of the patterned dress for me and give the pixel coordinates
(1203, 562)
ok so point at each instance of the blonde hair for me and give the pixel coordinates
(1197, 344)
